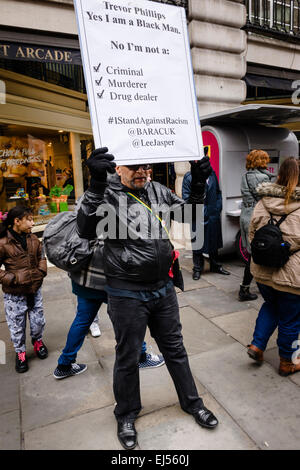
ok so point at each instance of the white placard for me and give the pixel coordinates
(139, 78)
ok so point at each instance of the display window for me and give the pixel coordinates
(36, 170)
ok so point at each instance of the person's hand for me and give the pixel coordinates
(99, 163)
(200, 170)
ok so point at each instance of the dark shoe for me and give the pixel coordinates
(287, 367)
(219, 270)
(62, 371)
(21, 362)
(245, 294)
(205, 418)
(127, 435)
(196, 275)
(255, 353)
(40, 349)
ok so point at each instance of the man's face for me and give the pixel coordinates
(134, 177)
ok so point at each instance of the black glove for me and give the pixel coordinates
(99, 163)
(201, 170)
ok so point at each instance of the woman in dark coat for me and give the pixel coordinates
(212, 225)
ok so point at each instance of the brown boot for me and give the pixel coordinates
(287, 367)
(255, 353)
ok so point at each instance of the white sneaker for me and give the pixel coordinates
(95, 330)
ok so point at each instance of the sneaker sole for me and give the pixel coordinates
(22, 371)
(152, 367)
(42, 358)
(72, 375)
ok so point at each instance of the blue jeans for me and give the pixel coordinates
(282, 310)
(87, 309)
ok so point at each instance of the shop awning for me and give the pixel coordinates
(273, 83)
(254, 114)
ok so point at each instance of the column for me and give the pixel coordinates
(77, 165)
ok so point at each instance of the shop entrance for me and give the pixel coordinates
(36, 170)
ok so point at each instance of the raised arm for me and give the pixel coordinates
(100, 163)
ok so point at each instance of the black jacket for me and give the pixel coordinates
(212, 211)
(138, 252)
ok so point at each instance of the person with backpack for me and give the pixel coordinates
(274, 234)
(256, 165)
(25, 268)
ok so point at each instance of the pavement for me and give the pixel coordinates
(256, 408)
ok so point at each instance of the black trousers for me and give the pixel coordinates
(130, 318)
(247, 274)
(198, 260)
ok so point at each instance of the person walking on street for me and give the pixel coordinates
(256, 165)
(140, 291)
(280, 287)
(212, 225)
(25, 268)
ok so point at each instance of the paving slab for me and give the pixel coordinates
(229, 283)
(212, 302)
(96, 430)
(199, 334)
(9, 389)
(49, 400)
(5, 336)
(272, 357)
(182, 301)
(190, 284)
(10, 431)
(265, 405)
(240, 326)
(56, 285)
(171, 428)
(156, 386)
(45, 367)
(59, 315)
(104, 345)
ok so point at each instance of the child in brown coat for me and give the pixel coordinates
(25, 268)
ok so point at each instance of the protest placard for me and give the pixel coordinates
(139, 79)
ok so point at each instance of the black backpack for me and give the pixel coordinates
(268, 248)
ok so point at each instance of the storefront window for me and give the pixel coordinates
(36, 170)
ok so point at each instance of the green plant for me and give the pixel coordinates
(67, 190)
(55, 191)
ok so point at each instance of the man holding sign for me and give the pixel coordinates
(133, 216)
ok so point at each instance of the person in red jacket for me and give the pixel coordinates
(25, 268)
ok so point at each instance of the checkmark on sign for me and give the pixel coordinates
(100, 95)
(97, 67)
(98, 82)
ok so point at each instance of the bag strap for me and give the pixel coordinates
(251, 192)
(278, 222)
(151, 211)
